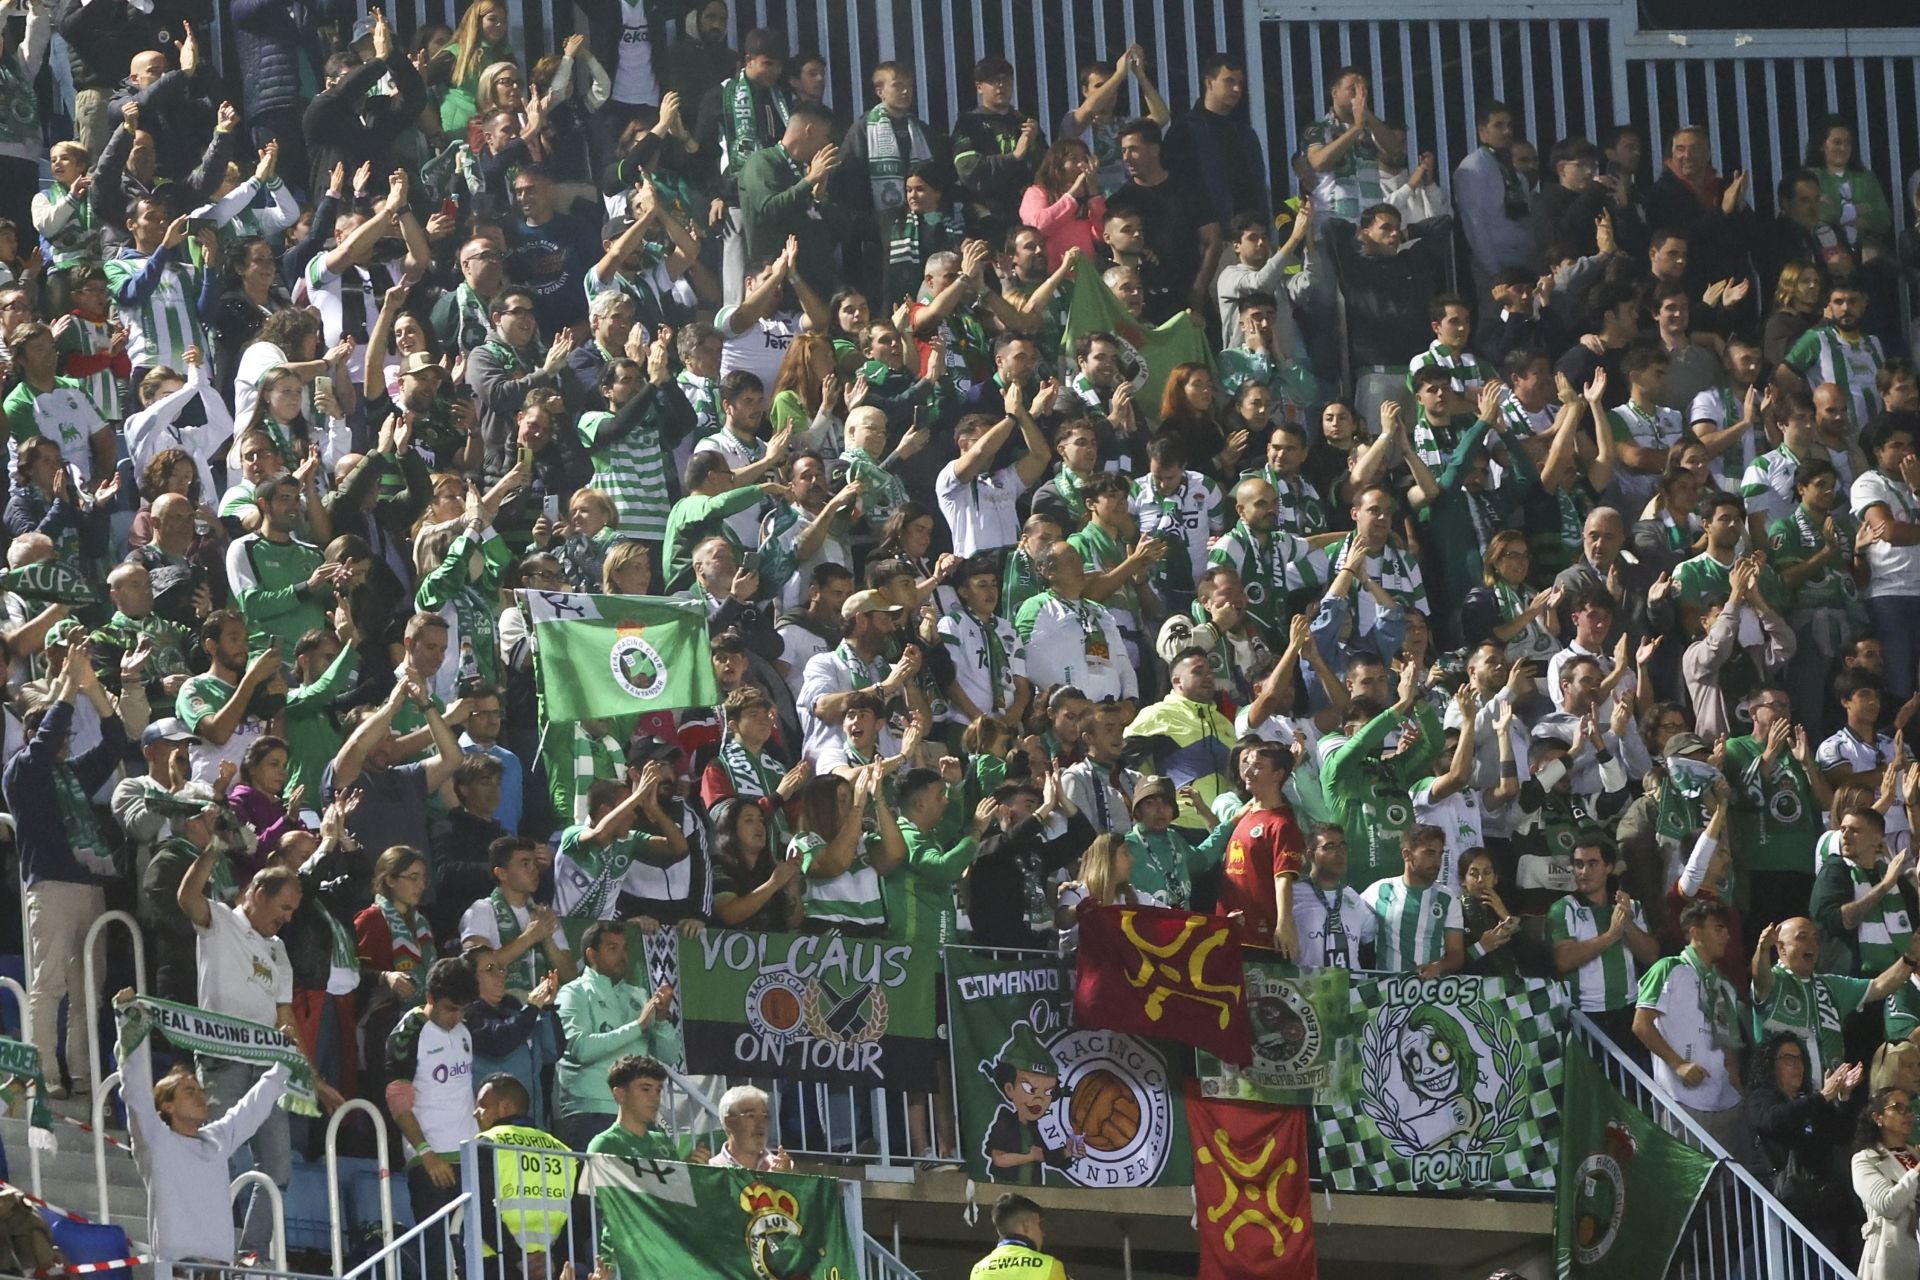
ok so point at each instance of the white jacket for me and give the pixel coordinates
(1887, 1191)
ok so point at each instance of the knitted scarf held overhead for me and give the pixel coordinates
(219, 1035)
(742, 136)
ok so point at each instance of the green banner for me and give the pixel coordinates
(1300, 1025)
(1043, 1102)
(1627, 1188)
(601, 656)
(1452, 1085)
(825, 1008)
(1148, 356)
(660, 1219)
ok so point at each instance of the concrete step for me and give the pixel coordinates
(73, 1159)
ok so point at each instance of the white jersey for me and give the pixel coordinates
(981, 511)
(987, 658)
(739, 454)
(1458, 817)
(1331, 926)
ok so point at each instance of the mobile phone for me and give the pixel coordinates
(523, 456)
(196, 225)
(550, 507)
(750, 563)
(323, 386)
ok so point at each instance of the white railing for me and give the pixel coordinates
(879, 1264)
(275, 1201)
(1738, 1228)
(91, 999)
(338, 1219)
(26, 1037)
(101, 1090)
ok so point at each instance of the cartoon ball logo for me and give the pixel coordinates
(637, 665)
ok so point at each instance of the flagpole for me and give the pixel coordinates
(1126, 1250)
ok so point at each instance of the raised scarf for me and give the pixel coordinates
(219, 1035)
(756, 776)
(742, 122)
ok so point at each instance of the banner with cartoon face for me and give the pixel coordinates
(823, 1008)
(1449, 1085)
(1301, 1024)
(1043, 1102)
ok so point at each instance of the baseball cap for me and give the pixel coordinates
(421, 362)
(167, 729)
(866, 602)
(1686, 744)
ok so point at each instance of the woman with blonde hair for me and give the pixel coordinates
(628, 568)
(1796, 307)
(1064, 203)
(479, 43)
(1529, 623)
(1104, 880)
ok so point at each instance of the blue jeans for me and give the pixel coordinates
(1896, 624)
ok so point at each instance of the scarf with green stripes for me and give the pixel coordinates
(886, 166)
(22, 1062)
(219, 1035)
(741, 123)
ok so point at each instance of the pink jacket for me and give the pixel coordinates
(1062, 225)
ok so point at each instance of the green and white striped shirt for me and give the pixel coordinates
(1269, 568)
(1813, 1009)
(165, 323)
(632, 471)
(1393, 567)
(1611, 980)
(853, 897)
(1823, 355)
(1412, 924)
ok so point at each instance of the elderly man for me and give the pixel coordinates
(1602, 539)
(747, 1116)
(1788, 995)
(1071, 640)
(605, 1017)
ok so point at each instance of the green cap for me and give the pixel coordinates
(1024, 1051)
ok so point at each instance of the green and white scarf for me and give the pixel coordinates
(412, 936)
(756, 777)
(741, 136)
(880, 490)
(1720, 1006)
(77, 820)
(219, 1035)
(523, 974)
(886, 167)
(605, 870)
(49, 582)
(22, 1062)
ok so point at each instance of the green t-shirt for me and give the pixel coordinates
(1775, 819)
(618, 1140)
(269, 581)
(1814, 1009)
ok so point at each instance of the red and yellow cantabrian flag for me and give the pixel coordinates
(1250, 1191)
(1152, 971)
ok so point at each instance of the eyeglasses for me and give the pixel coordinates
(513, 80)
(517, 311)
(524, 191)
(413, 877)
(490, 255)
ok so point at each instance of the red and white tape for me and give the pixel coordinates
(78, 1268)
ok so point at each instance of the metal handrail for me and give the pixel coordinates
(100, 1093)
(333, 1179)
(92, 996)
(390, 1253)
(880, 1263)
(278, 1204)
(1738, 1227)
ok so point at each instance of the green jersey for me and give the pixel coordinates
(1813, 1009)
(1370, 796)
(630, 467)
(693, 520)
(919, 893)
(1611, 980)
(269, 581)
(1824, 354)
(1775, 818)
(1704, 582)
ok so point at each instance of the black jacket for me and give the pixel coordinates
(348, 124)
(1009, 865)
(1383, 301)
(102, 38)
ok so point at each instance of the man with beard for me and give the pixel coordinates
(281, 585)
(809, 533)
(1271, 564)
(1417, 920)
(1554, 805)
(858, 662)
(814, 628)
(1072, 640)
(183, 587)
(228, 706)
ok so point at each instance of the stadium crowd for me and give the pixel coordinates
(1525, 582)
